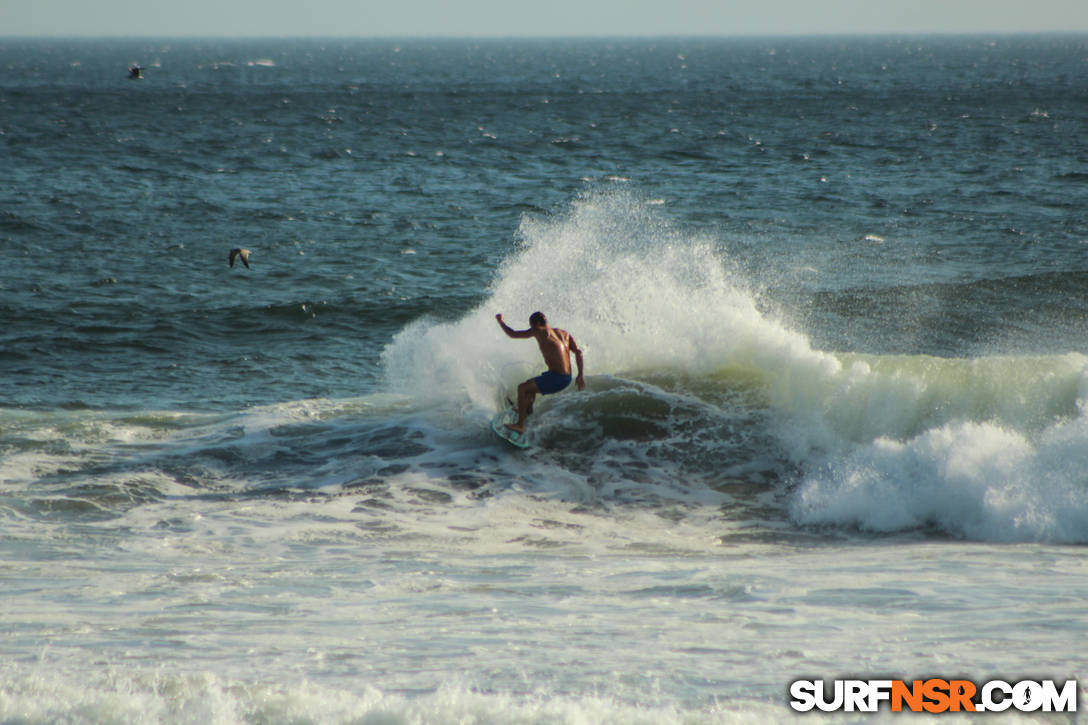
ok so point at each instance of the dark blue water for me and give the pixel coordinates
(943, 176)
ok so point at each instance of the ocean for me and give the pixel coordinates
(833, 296)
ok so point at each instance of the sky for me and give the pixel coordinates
(519, 18)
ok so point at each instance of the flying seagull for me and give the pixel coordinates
(239, 252)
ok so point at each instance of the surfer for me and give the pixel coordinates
(556, 346)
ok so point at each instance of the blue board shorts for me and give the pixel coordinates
(549, 382)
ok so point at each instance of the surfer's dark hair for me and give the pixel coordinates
(537, 319)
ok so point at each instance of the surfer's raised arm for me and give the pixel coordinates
(579, 381)
(511, 332)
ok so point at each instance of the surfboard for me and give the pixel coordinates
(498, 425)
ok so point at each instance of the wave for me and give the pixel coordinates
(983, 448)
(698, 398)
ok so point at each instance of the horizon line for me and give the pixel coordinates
(587, 36)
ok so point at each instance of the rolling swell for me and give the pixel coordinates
(950, 318)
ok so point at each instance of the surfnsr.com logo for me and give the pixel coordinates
(934, 695)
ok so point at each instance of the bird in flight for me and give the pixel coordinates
(239, 252)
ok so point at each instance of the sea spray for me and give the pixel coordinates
(640, 295)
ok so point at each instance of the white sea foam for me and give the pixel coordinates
(136, 697)
(977, 480)
(990, 448)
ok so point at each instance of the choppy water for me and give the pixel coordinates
(832, 296)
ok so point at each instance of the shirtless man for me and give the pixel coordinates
(556, 346)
